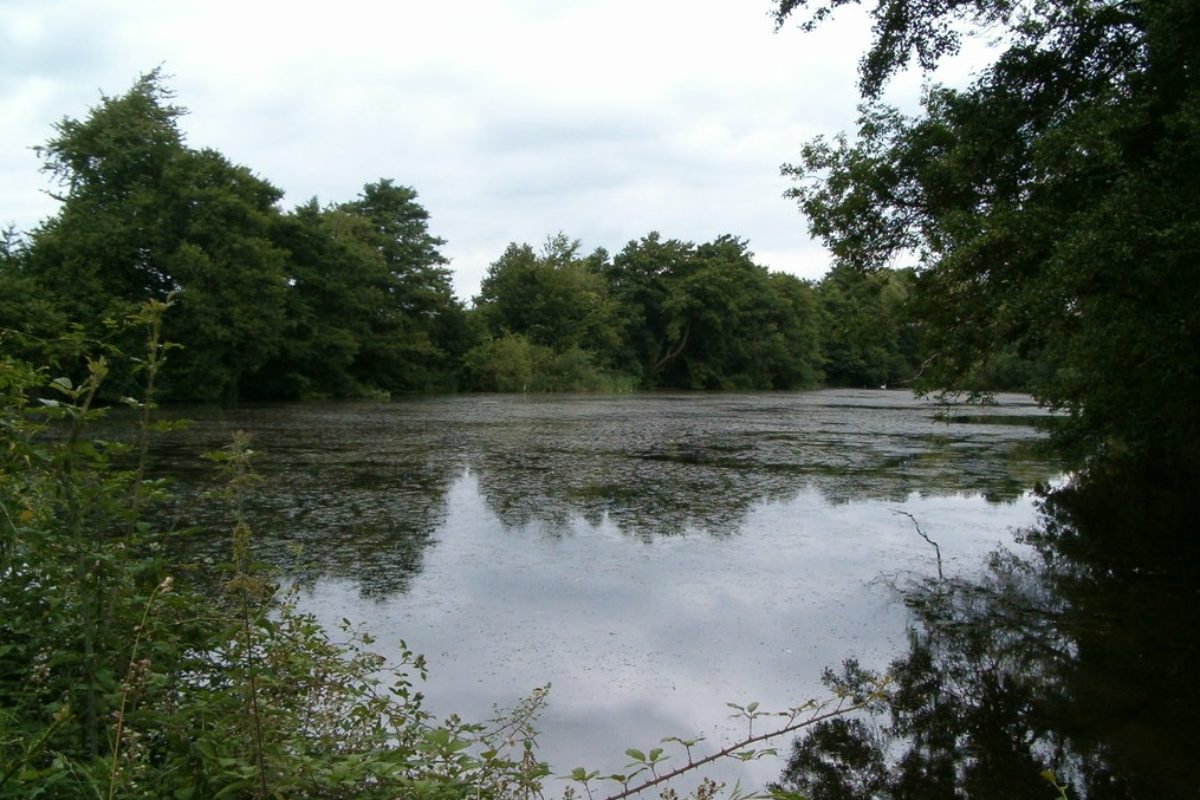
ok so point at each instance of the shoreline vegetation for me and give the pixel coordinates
(1048, 214)
(126, 672)
(353, 299)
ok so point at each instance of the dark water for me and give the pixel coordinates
(1077, 656)
(652, 557)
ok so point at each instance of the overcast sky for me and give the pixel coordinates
(512, 119)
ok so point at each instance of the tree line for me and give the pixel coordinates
(355, 298)
(1051, 212)
(1050, 207)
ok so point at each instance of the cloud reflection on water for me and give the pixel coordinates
(653, 556)
(652, 640)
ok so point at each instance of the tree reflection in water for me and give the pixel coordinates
(1078, 660)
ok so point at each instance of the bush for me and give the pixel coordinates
(125, 673)
(512, 363)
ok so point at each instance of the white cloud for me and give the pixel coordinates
(606, 119)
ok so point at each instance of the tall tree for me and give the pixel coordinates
(144, 216)
(1052, 206)
(639, 280)
(730, 327)
(330, 302)
(709, 317)
(417, 325)
(868, 338)
(556, 298)
(791, 354)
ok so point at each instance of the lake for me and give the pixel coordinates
(651, 557)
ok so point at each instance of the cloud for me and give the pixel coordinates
(603, 118)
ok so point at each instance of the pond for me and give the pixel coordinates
(651, 557)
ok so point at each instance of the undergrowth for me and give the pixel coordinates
(127, 672)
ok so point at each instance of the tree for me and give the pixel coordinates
(227, 274)
(102, 250)
(709, 317)
(1052, 207)
(329, 306)
(414, 314)
(732, 325)
(639, 280)
(791, 355)
(30, 320)
(868, 338)
(712, 312)
(555, 298)
(339, 301)
(144, 216)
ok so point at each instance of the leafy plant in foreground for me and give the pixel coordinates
(123, 674)
(127, 671)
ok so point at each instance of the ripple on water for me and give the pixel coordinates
(652, 556)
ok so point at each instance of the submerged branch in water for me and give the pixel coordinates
(937, 550)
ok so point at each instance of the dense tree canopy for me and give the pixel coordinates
(143, 216)
(708, 317)
(660, 314)
(266, 304)
(414, 333)
(556, 298)
(868, 335)
(1052, 207)
(355, 298)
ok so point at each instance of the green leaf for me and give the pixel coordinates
(636, 755)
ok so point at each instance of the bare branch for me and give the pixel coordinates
(937, 550)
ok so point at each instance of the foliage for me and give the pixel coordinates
(340, 301)
(504, 364)
(142, 216)
(1050, 211)
(123, 673)
(354, 298)
(720, 321)
(1072, 659)
(126, 671)
(556, 298)
(1051, 206)
(369, 304)
(708, 317)
(639, 280)
(869, 336)
(660, 314)
(417, 327)
(511, 363)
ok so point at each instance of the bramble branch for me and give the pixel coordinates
(731, 750)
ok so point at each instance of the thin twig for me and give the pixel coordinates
(937, 550)
(691, 765)
(164, 586)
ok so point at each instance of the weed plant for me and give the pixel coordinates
(124, 672)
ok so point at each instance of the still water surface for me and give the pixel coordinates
(651, 557)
